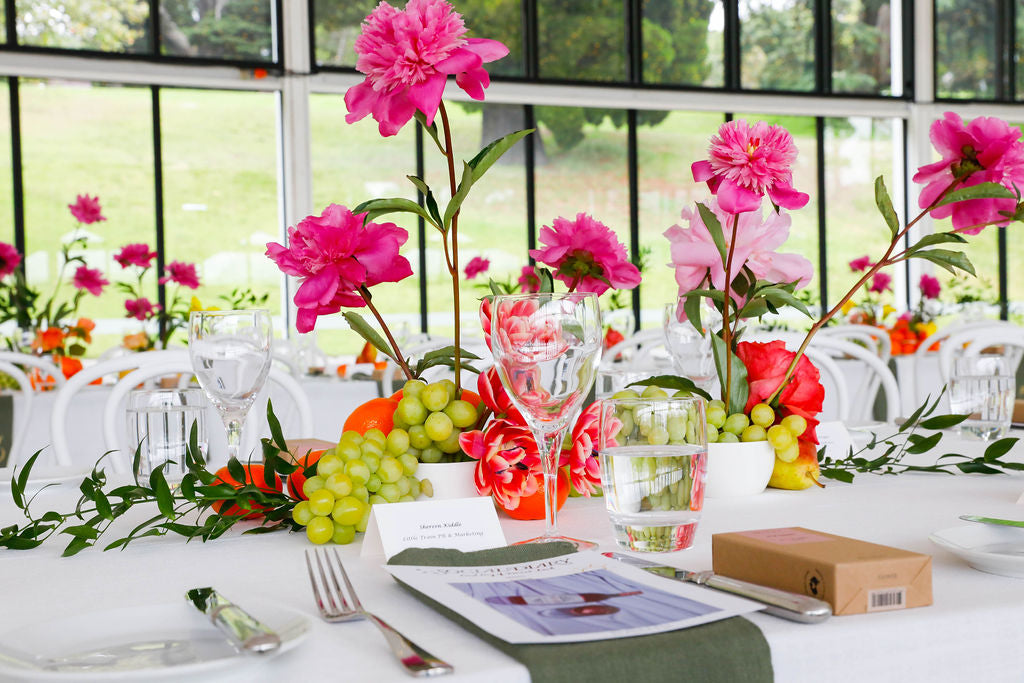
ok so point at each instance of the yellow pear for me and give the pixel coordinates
(800, 474)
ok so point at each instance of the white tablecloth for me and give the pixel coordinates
(972, 632)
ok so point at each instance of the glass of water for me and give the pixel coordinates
(691, 348)
(981, 389)
(160, 424)
(653, 465)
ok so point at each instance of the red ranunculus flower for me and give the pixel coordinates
(766, 365)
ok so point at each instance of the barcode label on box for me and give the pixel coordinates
(887, 598)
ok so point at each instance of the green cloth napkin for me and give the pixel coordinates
(731, 650)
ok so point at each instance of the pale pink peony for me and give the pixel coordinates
(181, 273)
(880, 282)
(507, 461)
(748, 162)
(86, 209)
(135, 255)
(90, 279)
(9, 259)
(695, 256)
(985, 150)
(529, 281)
(586, 254)
(336, 254)
(407, 55)
(140, 309)
(476, 266)
(930, 287)
(859, 265)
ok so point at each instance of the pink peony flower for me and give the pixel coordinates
(587, 255)
(141, 308)
(695, 256)
(135, 255)
(529, 281)
(407, 55)
(9, 259)
(86, 209)
(985, 150)
(747, 163)
(181, 273)
(507, 461)
(584, 466)
(494, 396)
(859, 265)
(880, 282)
(930, 287)
(476, 266)
(336, 254)
(90, 279)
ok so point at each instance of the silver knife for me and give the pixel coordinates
(779, 603)
(991, 520)
(239, 626)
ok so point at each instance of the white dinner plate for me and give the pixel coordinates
(989, 548)
(41, 476)
(151, 642)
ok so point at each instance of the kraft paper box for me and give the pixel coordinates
(853, 576)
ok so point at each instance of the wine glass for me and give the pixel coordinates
(546, 350)
(230, 353)
(691, 348)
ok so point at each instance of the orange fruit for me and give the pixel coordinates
(377, 413)
(532, 507)
(253, 475)
(472, 397)
(368, 354)
(296, 479)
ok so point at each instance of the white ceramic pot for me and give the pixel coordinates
(449, 479)
(738, 469)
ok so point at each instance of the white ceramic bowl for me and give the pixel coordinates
(449, 479)
(738, 469)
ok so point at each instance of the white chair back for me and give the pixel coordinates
(865, 388)
(14, 364)
(873, 338)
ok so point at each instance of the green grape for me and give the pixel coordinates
(358, 471)
(736, 423)
(403, 485)
(780, 437)
(449, 386)
(398, 441)
(431, 455)
(716, 416)
(626, 418)
(390, 469)
(348, 510)
(398, 423)
(676, 425)
(435, 397)
(762, 415)
(414, 452)
(426, 488)
(328, 465)
(626, 393)
(796, 424)
(413, 388)
(312, 484)
(753, 433)
(362, 523)
(321, 502)
(371, 448)
(301, 513)
(407, 498)
(438, 426)
(461, 413)
(373, 483)
(411, 410)
(376, 499)
(349, 452)
(789, 453)
(418, 437)
(371, 461)
(361, 493)
(414, 487)
(343, 534)
(451, 444)
(409, 463)
(712, 434)
(654, 392)
(377, 436)
(320, 530)
(390, 493)
(657, 436)
(351, 437)
(339, 484)
(727, 437)
(717, 403)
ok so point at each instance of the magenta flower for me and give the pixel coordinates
(985, 150)
(880, 282)
(9, 259)
(90, 279)
(407, 55)
(747, 163)
(181, 273)
(508, 461)
(586, 255)
(141, 308)
(529, 281)
(476, 266)
(86, 209)
(135, 255)
(859, 265)
(930, 287)
(336, 255)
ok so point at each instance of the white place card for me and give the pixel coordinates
(460, 523)
(835, 438)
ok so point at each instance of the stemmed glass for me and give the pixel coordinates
(691, 350)
(546, 350)
(230, 352)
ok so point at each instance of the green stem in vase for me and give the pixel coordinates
(453, 266)
(726, 331)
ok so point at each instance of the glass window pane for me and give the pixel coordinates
(3, 24)
(229, 29)
(582, 41)
(107, 25)
(777, 44)
(499, 20)
(862, 44)
(682, 42)
(6, 178)
(966, 52)
(220, 192)
(336, 30)
(77, 139)
(973, 297)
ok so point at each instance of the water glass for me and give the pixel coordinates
(691, 348)
(160, 425)
(653, 466)
(980, 389)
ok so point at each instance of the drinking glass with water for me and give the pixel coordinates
(160, 424)
(982, 389)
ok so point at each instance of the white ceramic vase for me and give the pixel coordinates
(449, 479)
(738, 469)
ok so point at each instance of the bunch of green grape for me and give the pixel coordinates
(363, 470)
(759, 426)
(428, 421)
(676, 429)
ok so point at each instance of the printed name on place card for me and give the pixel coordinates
(461, 523)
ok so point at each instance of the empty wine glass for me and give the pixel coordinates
(691, 349)
(230, 353)
(546, 350)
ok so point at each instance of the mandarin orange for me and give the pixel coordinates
(377, 413)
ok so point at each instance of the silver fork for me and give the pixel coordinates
(415, 659)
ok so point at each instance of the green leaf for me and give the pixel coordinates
(715, 228)
(236, 470)
(376, 208)
(998, 449)
(692, 309)
(838, 474)
(76, 545)
(547, 280)
(942, 421)
(934, 238)
(974, 467)
(364, 330)
(164, 499)
(946, 258)
(449, 352)
(780, 297)
(673, 382)
(460, 196)
(102, 505)
(428, 197)
(979, 191)
(884, 204)
(276, 435)
(431, 129)
(925, 444)
(486, 157)
(753, 308)
(738, 389)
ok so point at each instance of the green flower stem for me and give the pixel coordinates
(399, 358)
(453, 265)
(726, 331)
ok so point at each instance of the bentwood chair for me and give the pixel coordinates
(15, 365)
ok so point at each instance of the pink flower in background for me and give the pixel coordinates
(476, 266)
(140, 309)
(881, 282)
(586, 255)
(984, 150)
(529, 281)
(584, 467)
(861, 264)
(336, 254)
(90, 279)
(181, 273)
(507, 459)
(135, 255)
(407, 55)
(494, 396)
(9, 259)
(747, 163)
(930, 287)
(86, 209)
